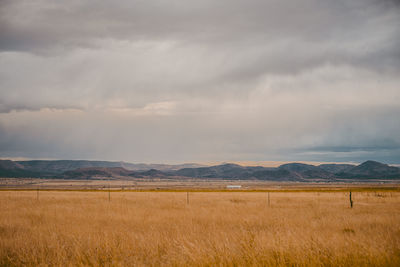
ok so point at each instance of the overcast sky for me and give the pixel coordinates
(185, 81)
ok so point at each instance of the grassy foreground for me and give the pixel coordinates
(213, 229)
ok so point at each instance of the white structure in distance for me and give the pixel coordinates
(233, 186)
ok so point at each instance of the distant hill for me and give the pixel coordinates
(96, 172)
(275, 174)
(372, 170)
(9, 168)
(60, 166)
(232, 171)
(81, 169)
(307, 171)
(160, 167)
(10, 165)
(149, 173)
(336, 168)
(237, 172)
(110, 173)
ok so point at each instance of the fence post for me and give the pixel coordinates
(187, 198)
(269, 202)
(351, 201)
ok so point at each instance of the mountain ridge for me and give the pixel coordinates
(70, 169)
(60, 166)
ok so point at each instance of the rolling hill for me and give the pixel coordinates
(9, 168)
(371, 170)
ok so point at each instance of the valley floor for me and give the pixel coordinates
(191, 185)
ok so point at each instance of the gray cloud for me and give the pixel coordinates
(200, 80)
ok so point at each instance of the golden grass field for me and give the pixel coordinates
(215, 229)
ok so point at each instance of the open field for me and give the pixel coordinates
(207, 229)
(190, 185)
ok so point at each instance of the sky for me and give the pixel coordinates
(200, 81)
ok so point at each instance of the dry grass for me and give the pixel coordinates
(215, 229)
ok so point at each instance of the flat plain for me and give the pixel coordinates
(213, 228)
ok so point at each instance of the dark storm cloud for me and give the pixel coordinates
(210, 80)
(41, 25)
(269, 36)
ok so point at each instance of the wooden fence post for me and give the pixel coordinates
(351, 201)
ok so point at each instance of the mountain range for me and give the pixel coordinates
(84, 169)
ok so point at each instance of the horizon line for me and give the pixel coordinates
(262, 163)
